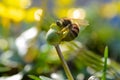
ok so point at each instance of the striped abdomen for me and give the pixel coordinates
(73, 33)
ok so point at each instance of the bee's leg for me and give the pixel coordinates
(63, 34)
(65, 31)
(65, 28)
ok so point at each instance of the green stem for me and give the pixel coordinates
(64, 64)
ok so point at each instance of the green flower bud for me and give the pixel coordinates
(52, 36)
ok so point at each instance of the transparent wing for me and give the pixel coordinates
(80, 22)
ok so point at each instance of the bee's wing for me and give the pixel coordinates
(83, 23)
(80, 22)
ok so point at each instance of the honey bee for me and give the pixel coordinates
(65, 29)
(72, 26)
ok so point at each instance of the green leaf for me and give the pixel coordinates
(106, 52)
(105, 63)
(34, 77)
(45, 78)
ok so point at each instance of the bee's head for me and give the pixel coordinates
(59, 23)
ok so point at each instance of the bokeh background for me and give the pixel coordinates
(24, 50)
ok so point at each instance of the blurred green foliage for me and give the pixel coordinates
(24, 50)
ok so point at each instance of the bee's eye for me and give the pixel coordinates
(59, 23)
(66, 22)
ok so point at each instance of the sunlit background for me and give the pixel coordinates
(24, 50)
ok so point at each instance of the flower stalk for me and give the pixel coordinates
(64, 64)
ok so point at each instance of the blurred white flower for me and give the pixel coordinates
(93, 78)
(14, 77)
(22, 42)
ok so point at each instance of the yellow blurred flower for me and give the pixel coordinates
(62, 6)
(13, 3)
(118, 7)
(109, 10)
(16, 15)
(64, 2)
(12, 13)
(2, 9)
(61, 12)
(19, 14)
(5, 23)
(17, 3)
(31, 16)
